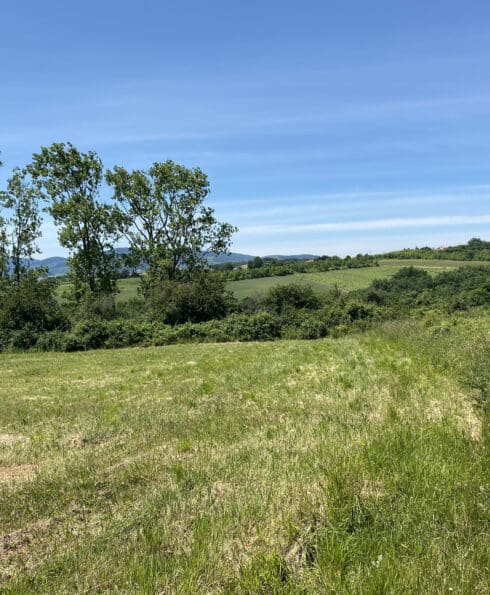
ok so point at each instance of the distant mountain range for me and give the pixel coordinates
(57, 265)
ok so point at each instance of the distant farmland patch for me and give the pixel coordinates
(346, 279)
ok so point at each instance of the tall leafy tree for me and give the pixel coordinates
(22, 226)
(70, 181)
(166, 222)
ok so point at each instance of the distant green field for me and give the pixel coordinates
(128, 288)
(346, 279)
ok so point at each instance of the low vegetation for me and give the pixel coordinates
(338, 465)
(204, 311)
(260, 268)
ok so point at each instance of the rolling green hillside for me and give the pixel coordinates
(290, 467)
(346, 279)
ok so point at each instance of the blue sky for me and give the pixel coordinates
(324, 127)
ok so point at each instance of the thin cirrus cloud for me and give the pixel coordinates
(473, 192)
(369, 225)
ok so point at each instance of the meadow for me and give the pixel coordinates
(347, 465)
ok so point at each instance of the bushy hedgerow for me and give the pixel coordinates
(294, 312)
(459, 289)
(109, 334)
(475, 249)
(95, 333)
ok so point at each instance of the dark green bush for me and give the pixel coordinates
(262, 326)
(31, 304)
(310, 327)
(203, 299)
(294, 296)
(52, 341)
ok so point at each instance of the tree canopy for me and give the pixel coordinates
(22, 226)
(70, 181)
(165, 221)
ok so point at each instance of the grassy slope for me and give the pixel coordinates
(350, 465)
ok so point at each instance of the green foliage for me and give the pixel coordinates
(4, 249)
(203, 299)
(165, 220)
(401, 288)
(203, 311)
(256, 263)
(96, 333)
(262, 326)
(28, 308)
(20, 230)
(261, 268)
(411, 287)
(293, 296)
(71, 182)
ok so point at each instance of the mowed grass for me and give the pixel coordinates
(356, 465)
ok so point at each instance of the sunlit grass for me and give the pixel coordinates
(350, 465)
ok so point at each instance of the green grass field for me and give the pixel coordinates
(346, 279)
(356, 465)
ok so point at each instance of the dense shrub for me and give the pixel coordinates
(196, 301)
(27, 309)
(292, 297)
(309, 327)
(402, 288)
(95, 333)
(459, 289)
(262, 326)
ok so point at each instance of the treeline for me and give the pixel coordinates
(203, 311)
(259, 267)
(160, 212)
(475, 249)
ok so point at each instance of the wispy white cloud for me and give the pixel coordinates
(438, 194)
(370, 225)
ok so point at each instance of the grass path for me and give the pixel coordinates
(325, 466)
